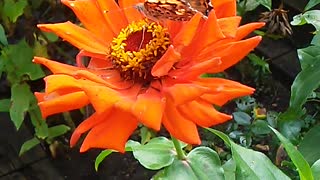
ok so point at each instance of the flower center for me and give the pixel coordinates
(137, 48)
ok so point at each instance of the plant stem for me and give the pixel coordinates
(179, 150)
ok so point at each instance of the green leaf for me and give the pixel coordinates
(58, 130)
(260, 127)
(177, 170)
(40, 125)
(20, 97)
(251, 164)
(205, 163)
(26, 146)
(51, 36)
(5, 105)
(229, 170)
(311, 4)
(21, 63)
(101, 157)
(146, 134)
(242, 118)
(309, 17)
(302, 165)
(157, 153)
(308, 56)
(316, 169)
(254, 165)
(316, 39)
(304, 84)
(3, 37)
(307, 147)
(13, 9)
(266, 3)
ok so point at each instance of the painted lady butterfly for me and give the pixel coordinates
(176, 10)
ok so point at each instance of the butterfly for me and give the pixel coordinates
(176, 10)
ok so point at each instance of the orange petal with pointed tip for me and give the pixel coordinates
(194, 71)
(210, 32)
(113, 15)
(86, 11)
(203, 113)
(225, 8)
(86, 125)
(165, 63)
(229, 25)
(113, 133)
(131, 13)
(183, 93)
(55, 67)
(77, 36)
(63, 103)
(223, 90)
(179, 127)
(102, 98)
(244, 30)
(187, 32)
(149, 108)
(230, 53)
(40, 96)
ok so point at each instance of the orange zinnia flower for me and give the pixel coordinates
(142, 72)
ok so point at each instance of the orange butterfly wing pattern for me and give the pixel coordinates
(176, 10)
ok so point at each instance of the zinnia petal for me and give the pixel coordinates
(223, 90)
(131, 13)
(63, 103)
(225, 8)
(149, 108)
(113, 133)
(163, 65)
(88, 10)
(113, 15)
(77, 36)
(203, 113)
(179, 127)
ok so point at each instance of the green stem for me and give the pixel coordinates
(177, 146)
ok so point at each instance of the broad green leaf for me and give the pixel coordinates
(13, 9)
(266, 3)
(316, 169)
(177, 170)
(157, 153)
(58, 130)
(308, 56)
(5, 105)
(3, 37)
(309, 17)
(316, 39)
(101, 157)
(304, 84)
(260, 127)
(40, 125)
(51, 36)
(26, 146)
(20, 98)
(242, 118)
(21, 63)
(311, 4)
(205, 163)
(229, 170)
(254, 165)
(251, 164)
(146, 134)
(290, 125)
(307, 147)
(201, 163)
(302, 165)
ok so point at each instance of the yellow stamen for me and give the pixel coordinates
(137, 48)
